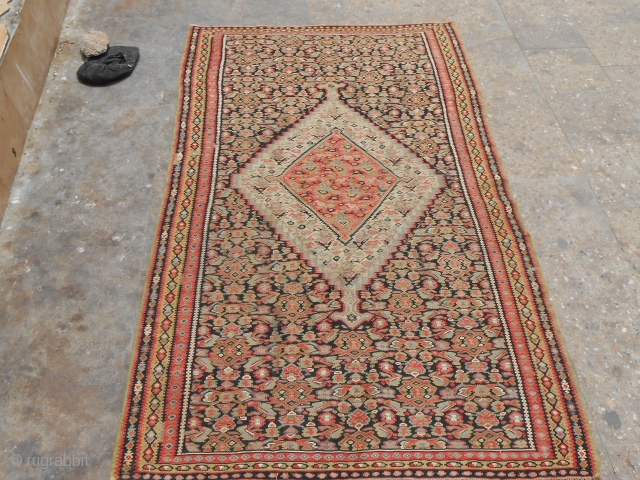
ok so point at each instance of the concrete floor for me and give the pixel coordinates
(560, 82)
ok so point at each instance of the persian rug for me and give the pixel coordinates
(341, 287)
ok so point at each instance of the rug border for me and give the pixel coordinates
(589, 434)
(271, 29)
(157, 235)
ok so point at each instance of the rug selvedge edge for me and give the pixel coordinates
(165, 216)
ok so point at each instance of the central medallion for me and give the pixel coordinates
(341, 183)
(342, 192)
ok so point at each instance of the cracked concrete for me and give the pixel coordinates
(559, 81)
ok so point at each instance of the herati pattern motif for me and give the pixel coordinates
(341, 287)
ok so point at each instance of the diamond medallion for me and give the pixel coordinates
(342, 192)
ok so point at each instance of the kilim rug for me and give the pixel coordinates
(341, 287)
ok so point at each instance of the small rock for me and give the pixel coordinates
(94, 43)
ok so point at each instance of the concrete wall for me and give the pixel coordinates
(23, 72)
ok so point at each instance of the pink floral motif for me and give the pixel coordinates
(340, 182)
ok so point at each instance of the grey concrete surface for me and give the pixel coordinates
(560, 85)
